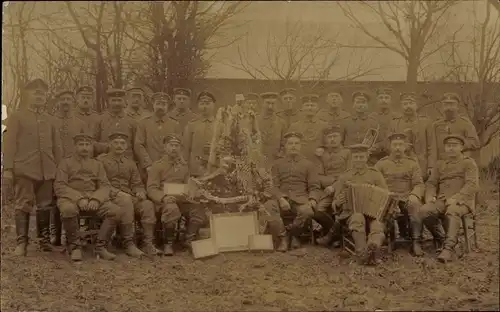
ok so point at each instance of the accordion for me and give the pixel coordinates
(371, 200)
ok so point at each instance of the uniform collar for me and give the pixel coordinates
(40, 110)
(408, 118)
(384, 112)
(209, 118)
(458, 159)
(119, 158)
(119, 115)
(85, 113)
(64, 116)
(159, 119)
(133, 112)
(356, 117)
(334, 150)
(360, 171)
(395, 160)
(294, 158)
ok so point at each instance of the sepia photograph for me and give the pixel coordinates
(250, 156)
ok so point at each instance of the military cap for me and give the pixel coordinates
(206, 94)
(172, 138)
(63, 92)
(160, 96)
(293, 134)
(359, 148)
(410, 96)
(456, 137)
(361, 94)
(332, 129)
(35, 84)
(118, 135)
(82, 135)
(112, 92)
(269, 95)
(135, 88)
(182, 91)
(335, 90)
(397, 136)
(310, 98)
(451, 96)
(385, 90)
(288, 90)
(84, 89)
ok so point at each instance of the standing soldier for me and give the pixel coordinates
(136, 103)
(128, 192)
(32, 149)
(290, 113)
(81, 185)
(152, 131)
(335, 114)
(415, 127)
(332, 160)
(114, 120)
(182, 111)
(404, 179)
(451, 123)
(450, 191)
(272, 127)
(198, 132)
(356, 126)
(356, 222)
(85, 98)
(310, 126)
(296, 188)
(171, 168)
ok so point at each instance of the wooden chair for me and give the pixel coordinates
(89, 229)
(469, 234)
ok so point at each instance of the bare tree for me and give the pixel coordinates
(411, 29)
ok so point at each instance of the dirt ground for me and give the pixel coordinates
(320, 280)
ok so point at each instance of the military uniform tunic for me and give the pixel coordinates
(333, 117)
(355, 129)
(138, 115)
(197, 133)
(67, 126)
(108, 124)
(290, 116)
(439, 129)
(183, 117)
(272, 129)
(312, 131)
(151, 131)
(91, 118)
(403, 176)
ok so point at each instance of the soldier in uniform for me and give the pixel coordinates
(356, 126)
(332, 160)
(272, 127)
(450, 191)
(198, 132)
(356, 222)
(128, 192)
(85, 98)
(32, 149)
(152, 131)
(81, 185)
(404, 179)
(290, 113)
(415, 127)
(173, 169)
(136, 100)
(335, 114)
(296, 188)
(182, 111)
(115, 119)
(310, 126)
(451, 123)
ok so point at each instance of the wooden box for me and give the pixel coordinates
(203, 248)
(260, 243)
(230, 231)
(174, 189)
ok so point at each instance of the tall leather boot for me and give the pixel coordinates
(148, 237)
(326, 223)
(191, 233)
(403, 227)
(55, 227)
(453, 224)
(278, 231)
(22, 226)
(168, 239)
(103, 238)
(433, 225)
(360, 245)
(43, 221)
(73, 241)
(127, 232)
(416, 237)
(294, 235)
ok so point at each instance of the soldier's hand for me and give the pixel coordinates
(93, 205)
(284, 204)
(340, 200)
(329, 190)
(141, 195)
(313, 203)
(83, 203)
(147, 168)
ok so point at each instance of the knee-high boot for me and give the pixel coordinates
(43, 222)
(22, 227)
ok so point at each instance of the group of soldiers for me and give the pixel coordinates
(116, 163)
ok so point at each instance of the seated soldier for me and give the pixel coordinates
(172, 168)
(81, 185)
(333, 160)
(129, 194)
(356, 222)
(296, 189)
(404, 178)
(450, 191)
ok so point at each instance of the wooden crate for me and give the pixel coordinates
(260, 243)
(230, 231)
(204, 248)
(174, 189)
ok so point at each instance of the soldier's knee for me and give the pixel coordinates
(170, 213)
(357, 222)
(68, 210)
(376, 227)
(305, 211)
(146, 209)
(113, 211)
(324, 205)
(456, 210)
(197, 214)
